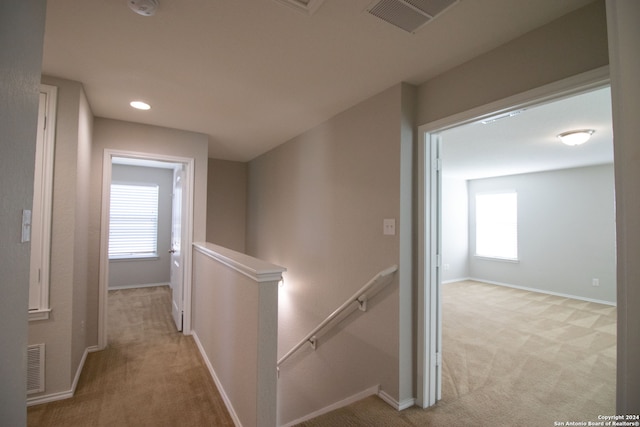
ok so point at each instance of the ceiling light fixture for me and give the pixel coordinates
(576, 137)
(143, 7)
(139, 105)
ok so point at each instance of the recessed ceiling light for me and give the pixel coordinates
(140, 105)
(576, 137)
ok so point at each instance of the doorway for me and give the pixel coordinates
(181, 172)
(431, 266)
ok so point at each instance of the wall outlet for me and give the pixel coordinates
(595, 282)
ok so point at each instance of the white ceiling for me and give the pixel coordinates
(528, 142)
(252, 74)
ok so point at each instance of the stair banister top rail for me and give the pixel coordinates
(355, 297)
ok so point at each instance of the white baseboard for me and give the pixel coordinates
(337, 405)
(225, 398)
(38, 400)
(145, 285)
(462, 279)
(542, 291)
(399, 406)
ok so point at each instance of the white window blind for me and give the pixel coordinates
(133, 223)
(497, 225)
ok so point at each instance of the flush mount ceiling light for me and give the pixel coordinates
(143, 7)
(139, 105)
(576, 137)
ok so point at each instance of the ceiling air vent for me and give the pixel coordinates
(306, 6)
(409, 15)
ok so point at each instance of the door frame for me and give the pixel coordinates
(429, 328)
(103, 282)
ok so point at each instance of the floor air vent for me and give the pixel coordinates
(35, 368)
(409, 15)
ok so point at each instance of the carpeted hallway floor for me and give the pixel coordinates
(150, 375)
(511, 358)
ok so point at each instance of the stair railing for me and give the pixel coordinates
(360, 297)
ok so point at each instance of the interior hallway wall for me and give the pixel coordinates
(316, 206)
(22, 23)
(65, 332)
(227, 203)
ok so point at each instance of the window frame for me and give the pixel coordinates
(40, 254)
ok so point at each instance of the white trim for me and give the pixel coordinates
(398, 406)
(543, 291)
(254, 268)
(223, 394)
(44, 182)
(42, 314)
(31, 401)
(145, 285)
(371, 391)
(189, 165)
(427, 135)
(462, 279)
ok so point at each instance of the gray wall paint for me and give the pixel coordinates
(316, 207)
(566, 232)
(227, 203)
(570, 45)
(127, 273)
(624, 45)
(65, 332)
(455, 229)
(22, 24)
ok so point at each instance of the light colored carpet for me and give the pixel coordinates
(150, 374)
(511, 358)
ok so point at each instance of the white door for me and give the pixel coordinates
(177, 270)
(430, 316)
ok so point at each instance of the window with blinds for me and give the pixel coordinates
(133, 222)
(497, 225)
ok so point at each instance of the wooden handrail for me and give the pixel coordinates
(355, 298)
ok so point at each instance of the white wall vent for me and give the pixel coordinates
(35, 368)
(409, 15)
(308, 7)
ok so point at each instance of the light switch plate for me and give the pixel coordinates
(389, 227)
(26, 225)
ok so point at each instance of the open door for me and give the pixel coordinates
(429, 367)
(177, 267)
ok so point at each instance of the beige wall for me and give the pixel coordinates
(624, 45)
(316, 206)
(64, 333)
(22, 24)
(227, 203)
(572, 44)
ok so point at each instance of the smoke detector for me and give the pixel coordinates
(143, 7)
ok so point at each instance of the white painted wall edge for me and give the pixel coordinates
(225, 398)
(540, 291)
(399, 406)
(371, 391)
(254, 268)
(61, 395)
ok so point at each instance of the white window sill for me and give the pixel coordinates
(489, 258)
(39, 314)
(151, 257)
